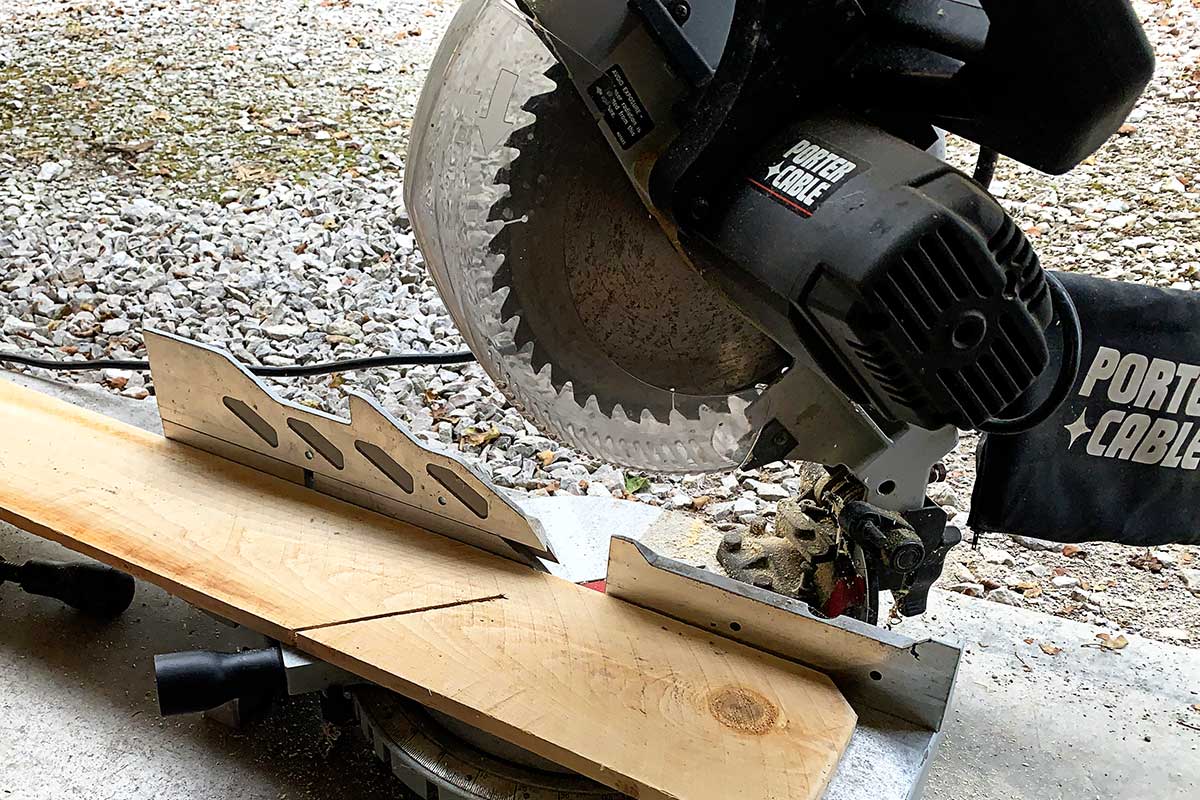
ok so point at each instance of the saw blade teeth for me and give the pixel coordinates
(538, 359)
(523, 336)
(590, 404)
(627, 433)
(502, 282)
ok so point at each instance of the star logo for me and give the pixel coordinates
(1078, 428)
(775, 170)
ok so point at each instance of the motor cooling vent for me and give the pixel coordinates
(943, 333)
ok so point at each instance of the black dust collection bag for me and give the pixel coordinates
(1120, 460)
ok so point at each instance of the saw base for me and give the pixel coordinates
(435, 760)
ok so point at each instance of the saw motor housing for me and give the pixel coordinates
(783, 148)
(906, 281)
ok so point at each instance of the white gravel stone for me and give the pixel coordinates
(768, 491)
(994, 555)
(50, 171)
(1031, 543)
(1191, 579)
(1006, 596)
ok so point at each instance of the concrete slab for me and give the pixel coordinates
(1085, 723)
(78, 716)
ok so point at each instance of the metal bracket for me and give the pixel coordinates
(801, 417)
(874, 668)
(208, 400)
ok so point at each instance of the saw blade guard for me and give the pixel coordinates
(466, 135)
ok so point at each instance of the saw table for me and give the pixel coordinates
(674, 683)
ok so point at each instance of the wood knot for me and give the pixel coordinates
(742, 710)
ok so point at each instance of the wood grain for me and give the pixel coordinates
(649, 706)
(254, 548)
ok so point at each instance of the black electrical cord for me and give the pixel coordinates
(293, 371)
(1072, 355)
(985, 166)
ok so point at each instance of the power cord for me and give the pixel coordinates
(292, 371)
(985, 166)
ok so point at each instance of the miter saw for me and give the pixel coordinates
(695, 235)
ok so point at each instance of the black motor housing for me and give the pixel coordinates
(904, 279)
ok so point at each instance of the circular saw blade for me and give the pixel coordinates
(595, 286)
(567, 290)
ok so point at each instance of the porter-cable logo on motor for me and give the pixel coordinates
(1141, 384)
(806, 175)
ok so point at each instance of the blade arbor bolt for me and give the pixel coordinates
(681, 11)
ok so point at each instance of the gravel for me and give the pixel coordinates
(233, 173)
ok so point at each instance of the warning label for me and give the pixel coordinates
(627, 118)
(806, 175)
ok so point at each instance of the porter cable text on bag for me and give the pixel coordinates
(1148, 384)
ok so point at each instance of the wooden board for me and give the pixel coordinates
(649, 706)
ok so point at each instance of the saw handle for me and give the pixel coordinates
(93, 589)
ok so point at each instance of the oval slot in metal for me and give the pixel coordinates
(386, 464)
(317, 442)
(250, 418)
(459, 488)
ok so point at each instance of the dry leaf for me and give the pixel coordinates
(1029, 641)
(336, 381)
(1049, 649)
(1074, 551)
(1127, 129)
(1108, 642)
(131, 148)
(701, 501)
(1033, 592)
(547, 457)
(118, 68)
(478, 438)
(1147, 561)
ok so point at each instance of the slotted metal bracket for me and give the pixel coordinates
(873, 667)
(208, 400)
